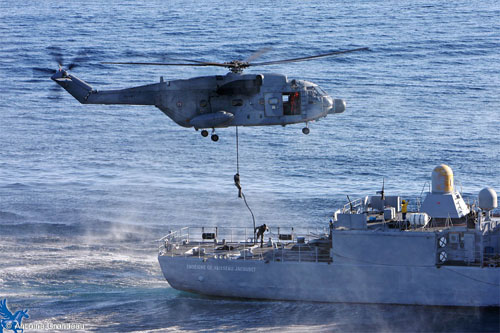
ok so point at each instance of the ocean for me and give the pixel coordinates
(86, 190)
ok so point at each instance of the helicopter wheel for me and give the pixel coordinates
(204, 133)
(305, 130)
(215, 137)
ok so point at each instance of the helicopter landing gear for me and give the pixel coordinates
(305, 130)
(214, 136)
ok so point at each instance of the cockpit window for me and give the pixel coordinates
(314, 94)
(321, 91)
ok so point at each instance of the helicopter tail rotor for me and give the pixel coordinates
(56, 53)
(78, 88)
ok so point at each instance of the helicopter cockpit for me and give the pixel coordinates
(315, 93)
(320, 91)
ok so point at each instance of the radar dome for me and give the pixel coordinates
(488, 199)
(442, 179)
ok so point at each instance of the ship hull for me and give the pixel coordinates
(333, 282)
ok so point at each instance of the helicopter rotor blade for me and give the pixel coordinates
(56, 53)
(257, 54)
(81, 56)
(207, 63)
(276, 62)
(40, 71)
(195, 63)
(190, 62)
(235, 66)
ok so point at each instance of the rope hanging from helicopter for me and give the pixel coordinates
(237, 153)
(238, 184)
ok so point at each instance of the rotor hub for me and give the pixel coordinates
(237, 66)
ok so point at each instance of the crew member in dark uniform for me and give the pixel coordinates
(237, 184)
(260, 233)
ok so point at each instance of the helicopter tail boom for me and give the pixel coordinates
(85, 94)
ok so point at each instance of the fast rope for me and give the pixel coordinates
(237, 154)
(238, 184)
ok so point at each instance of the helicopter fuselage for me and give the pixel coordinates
(220, 100)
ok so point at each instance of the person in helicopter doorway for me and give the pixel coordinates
(404, 209)
(260, 233)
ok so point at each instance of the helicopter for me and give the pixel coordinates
(218, 101)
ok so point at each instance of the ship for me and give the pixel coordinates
(439, 251)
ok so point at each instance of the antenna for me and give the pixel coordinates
(350, 203)
(382, 193)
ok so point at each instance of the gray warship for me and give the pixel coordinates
(443, 252)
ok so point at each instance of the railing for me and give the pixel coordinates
(238, 234)
(355, 206)
(172, 236)
(281, 244)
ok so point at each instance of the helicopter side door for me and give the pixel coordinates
(273, 105)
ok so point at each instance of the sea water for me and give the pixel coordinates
(86, 190)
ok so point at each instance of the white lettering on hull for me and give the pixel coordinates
(203, 267)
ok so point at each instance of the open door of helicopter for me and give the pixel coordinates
(291, 103)
(283, 104)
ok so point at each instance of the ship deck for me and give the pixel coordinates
(239, 244)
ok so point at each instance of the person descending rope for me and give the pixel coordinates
(237, 183)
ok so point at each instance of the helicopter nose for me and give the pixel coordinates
(327, 103)
(337, 106)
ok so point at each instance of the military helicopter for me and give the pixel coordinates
(218, 101)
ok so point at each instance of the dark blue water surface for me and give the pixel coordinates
(86, 190)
